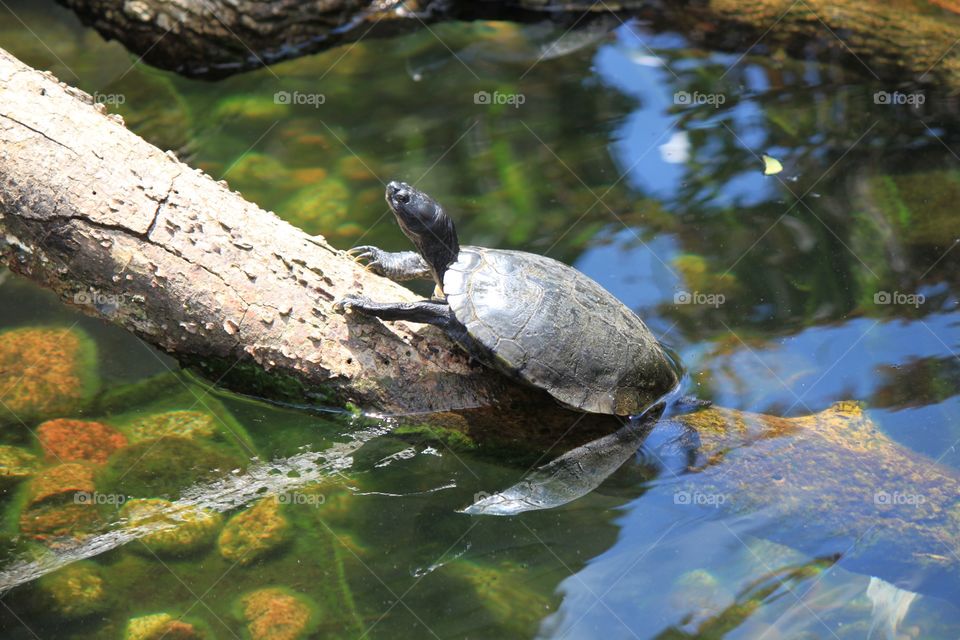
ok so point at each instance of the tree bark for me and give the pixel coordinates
(129, 233)
(897, 42)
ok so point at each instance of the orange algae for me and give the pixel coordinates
(67, 440)
(44, 372)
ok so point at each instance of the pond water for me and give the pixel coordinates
(639, 160)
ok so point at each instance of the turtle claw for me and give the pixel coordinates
(348, 302)
(368, 257)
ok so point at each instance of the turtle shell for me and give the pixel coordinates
(551, 326)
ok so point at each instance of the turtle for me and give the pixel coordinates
(531, 317)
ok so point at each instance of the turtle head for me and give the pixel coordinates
(424, 221)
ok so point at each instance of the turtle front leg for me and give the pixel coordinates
(402, 265)
(422, 311)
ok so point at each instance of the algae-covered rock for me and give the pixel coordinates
(451, 439)
(45, 372)
(254, 532)
(259, 177)
(320, 207)
(356, 168)
(276, 613)
(64, 480)
(181, 424)
(16, 464)
(172, 529)
(505, 592)
(163, 626)
(164, 467)
(65, 440)
(75, 591)
(58, 503)
(251, 107)
(832, 474)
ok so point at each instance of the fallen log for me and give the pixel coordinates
(130, 234)
(895, 42)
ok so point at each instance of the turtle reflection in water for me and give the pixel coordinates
(531, 317)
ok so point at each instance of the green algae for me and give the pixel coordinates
(76, 591)
(451, 439)
(164, 467)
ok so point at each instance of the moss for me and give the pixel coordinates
(253, 380)
(163, 626)
(254, 532)
(189, 425)
(16, 464)
(320, 208)
(75, 591)
(248, 107)
(45, 372)
(449, 438)
(56, 504)
(141, 393)
(164, 467)
(176, 407)
(175, 530)
(276, 613)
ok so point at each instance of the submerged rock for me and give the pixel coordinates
(162, 626)
(59, 504)
(276, 613)
(320, 207)
(75, 591)
(65, 440)
(505, 591)
(16, 464)
(173, 529)
(45, 372)
(64, 480)
(164, 467)
(180, 424)
(254, 532)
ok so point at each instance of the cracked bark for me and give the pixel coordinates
(93, 212)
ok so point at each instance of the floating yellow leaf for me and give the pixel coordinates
(771, 166)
